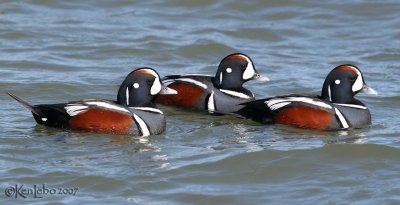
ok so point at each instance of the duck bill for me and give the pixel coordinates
(368, 90)
(260, 78)
(167, 91)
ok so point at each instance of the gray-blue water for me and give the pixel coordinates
(56, 51)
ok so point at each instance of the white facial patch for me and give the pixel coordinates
(136, 85)
(229, 70)
(156, 88)
(249, 72)
(337, 82)
(358, 84)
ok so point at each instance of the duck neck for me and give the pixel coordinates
(329, 93)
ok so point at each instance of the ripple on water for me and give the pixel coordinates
(197, 50)
(56, 51)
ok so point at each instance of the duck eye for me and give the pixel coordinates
(149, 82)
(243, 66)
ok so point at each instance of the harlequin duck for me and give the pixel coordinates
(133, 113)
(222, 93)
(335, 109)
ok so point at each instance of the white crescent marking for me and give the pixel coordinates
(142, 125)
(211, 103)
(341, 119)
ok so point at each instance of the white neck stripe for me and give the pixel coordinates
(329, 93)
(149, 109)
(127, 96)
(352, 105)
(236, 94)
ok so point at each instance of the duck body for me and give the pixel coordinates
(335, 109)
(132, 114)
(222, 93)
(199, 92)
(307, 112)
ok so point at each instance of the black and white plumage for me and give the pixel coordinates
(133, 113)
(222, 93)
(335, 109)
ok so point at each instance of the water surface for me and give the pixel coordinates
(56, 51)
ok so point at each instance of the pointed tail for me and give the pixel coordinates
(258, 111)
(23, 102)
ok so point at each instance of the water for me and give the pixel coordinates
(56, 51)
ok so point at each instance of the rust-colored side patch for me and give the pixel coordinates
(304, 117)
(101, 120)
(188, 96)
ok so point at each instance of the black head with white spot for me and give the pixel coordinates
(140, 87)
(234, 70)
(343, 83)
